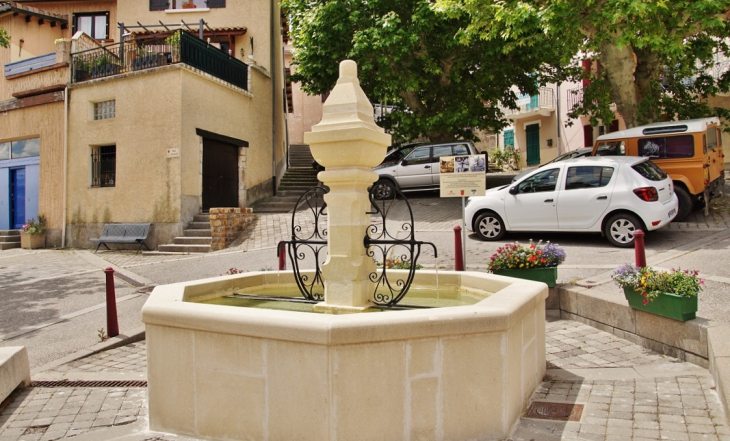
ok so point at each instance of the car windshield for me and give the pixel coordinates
(650, 171)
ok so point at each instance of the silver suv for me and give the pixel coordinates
(419, 169)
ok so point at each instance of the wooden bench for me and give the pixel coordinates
(123, 233)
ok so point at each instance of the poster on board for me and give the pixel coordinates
(462, 176)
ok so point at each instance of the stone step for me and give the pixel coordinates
(199, 226)
(10, 233)
(201, 218)
(273, 208)
(288, 193)
(295, 187)
(9, 245)
(197, 232)
(173, 248)
(193, 240)
(10, 238)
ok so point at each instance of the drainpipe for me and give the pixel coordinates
(557, 120)
(65, 161)
(272, 69)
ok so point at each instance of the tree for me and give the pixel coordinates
(414, 58)
(654, 55)
(4, 38)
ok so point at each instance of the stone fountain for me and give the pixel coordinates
(237, 373)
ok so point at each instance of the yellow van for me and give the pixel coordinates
(690, 152)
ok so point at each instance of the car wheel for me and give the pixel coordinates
(383, 189)
(489, 226)
(685, 204)
(620, 229)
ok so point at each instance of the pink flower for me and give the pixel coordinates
(646, 302)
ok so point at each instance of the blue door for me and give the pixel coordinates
(17, 198)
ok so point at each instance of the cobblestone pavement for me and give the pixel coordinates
(664, 398)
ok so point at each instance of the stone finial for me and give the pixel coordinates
(347, 116)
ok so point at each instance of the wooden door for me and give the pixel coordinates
(220, 174)
(532, 133)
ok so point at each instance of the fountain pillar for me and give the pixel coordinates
(348, 143)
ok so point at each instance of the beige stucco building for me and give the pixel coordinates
(160, 130)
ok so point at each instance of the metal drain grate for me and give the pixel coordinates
(82, 383)
(128, 279)
(546, 410)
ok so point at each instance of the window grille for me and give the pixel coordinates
(103, 166)
(105, 109)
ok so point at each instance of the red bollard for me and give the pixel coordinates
(282, 256)
(112, 323)
(458, 253)
(639, 250)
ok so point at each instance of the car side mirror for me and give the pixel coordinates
(514, 190)
(404, 162)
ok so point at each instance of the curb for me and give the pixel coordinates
(137, 334)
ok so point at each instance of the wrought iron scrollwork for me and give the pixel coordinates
(380, 240)
(308, 239)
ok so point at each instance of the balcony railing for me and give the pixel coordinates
(139, 54)
(545, 100)
(575, 98)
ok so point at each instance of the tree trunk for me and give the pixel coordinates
(648, 69)
(619, 65)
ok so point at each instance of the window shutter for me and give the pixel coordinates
(216, 3)
(158, 5)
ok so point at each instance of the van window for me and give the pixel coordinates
(667, 147)
(650, 171)
(712, 138)
(611, 148)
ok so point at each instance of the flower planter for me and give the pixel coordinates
(548, 276)
(30, 241)
(667, 305)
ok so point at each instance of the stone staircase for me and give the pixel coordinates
(298, 178)
(196, 238)
(9, 239)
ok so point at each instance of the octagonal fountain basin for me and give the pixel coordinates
(241, 373)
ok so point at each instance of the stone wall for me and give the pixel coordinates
(226, 224)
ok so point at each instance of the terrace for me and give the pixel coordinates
(155, 51)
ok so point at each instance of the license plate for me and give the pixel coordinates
(671, 213)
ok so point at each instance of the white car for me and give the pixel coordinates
(615, 196)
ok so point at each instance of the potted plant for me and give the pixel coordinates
(174, 42)
(536, 261)
(33, 233)
(188, 4)
(81, 69)
(671, 294)
(104, 65)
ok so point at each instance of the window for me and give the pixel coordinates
(667, 147)
(105, 109)
(420, 155)
(461, 149)
(712, 138)
(539, 182)
(588, 177)
(103, 166)
(611, 148)
(161, 5)
(650, 171)
(94, 24)
(4, 150)
(23, 148)
(442, 150)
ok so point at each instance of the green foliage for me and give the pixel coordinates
(397, 264)
(509, 156)
(534, 255)
(4, 38)
(418, 59)
(651, 282)
(35, 226)
(653, 54)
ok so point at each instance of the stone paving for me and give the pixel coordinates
(665, 399)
